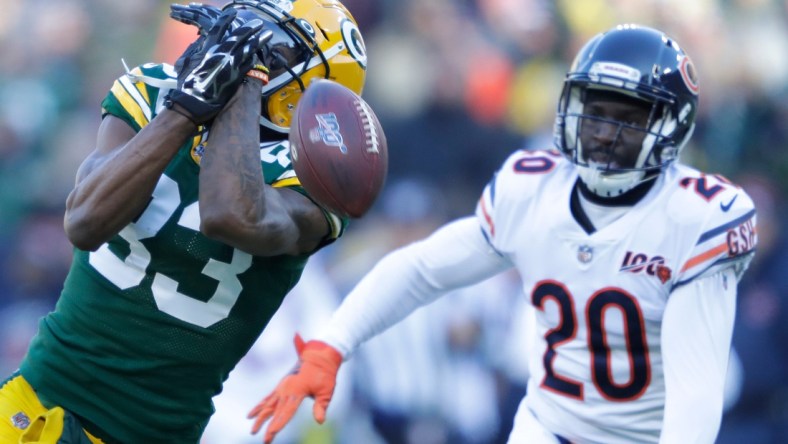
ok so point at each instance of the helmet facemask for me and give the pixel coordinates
(309, 38)
(606, 170)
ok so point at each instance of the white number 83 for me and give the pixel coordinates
(129, 272)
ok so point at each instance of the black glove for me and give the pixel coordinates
(211, 69)
(196, 14)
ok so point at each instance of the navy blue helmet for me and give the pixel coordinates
(639, 63)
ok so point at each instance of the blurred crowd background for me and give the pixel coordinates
(458, 85)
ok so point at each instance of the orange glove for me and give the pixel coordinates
(314, 375)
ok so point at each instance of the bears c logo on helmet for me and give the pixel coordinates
(689, 75)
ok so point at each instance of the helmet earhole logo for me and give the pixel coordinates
(689, 75)
(355, 45)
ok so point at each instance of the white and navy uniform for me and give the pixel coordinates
(633, 319)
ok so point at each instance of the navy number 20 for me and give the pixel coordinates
(601, 365)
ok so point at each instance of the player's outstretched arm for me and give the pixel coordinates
(454, 256)
(314, 376)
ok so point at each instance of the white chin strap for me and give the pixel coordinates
(609, 185)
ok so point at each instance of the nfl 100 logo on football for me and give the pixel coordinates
(328, 131)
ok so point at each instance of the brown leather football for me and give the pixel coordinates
(338, 148)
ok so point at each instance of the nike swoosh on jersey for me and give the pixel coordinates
(726, 207)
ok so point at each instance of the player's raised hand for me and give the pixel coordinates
(211, 69)
(314, 375)
(196, 14)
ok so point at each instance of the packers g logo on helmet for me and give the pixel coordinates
(312, 39)
(354, 42)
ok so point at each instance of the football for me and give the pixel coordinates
(338, 148)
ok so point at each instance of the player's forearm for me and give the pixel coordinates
(232, 186)
(114, 185)
(454, 256)
(236, 206)
(697, 329)
(231, 179)
(391, 291)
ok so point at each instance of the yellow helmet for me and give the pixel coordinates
(312, 39)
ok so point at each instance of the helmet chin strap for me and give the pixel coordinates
(629, 198)
(610, 185)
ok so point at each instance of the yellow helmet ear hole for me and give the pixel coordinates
(323, 31)
(282, 104)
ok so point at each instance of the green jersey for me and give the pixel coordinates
(149, 326)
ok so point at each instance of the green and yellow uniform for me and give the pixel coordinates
(149, 326)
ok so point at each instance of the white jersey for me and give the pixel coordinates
(599, 298)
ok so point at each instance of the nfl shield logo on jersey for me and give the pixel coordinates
(585, 253)
(20, 420)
